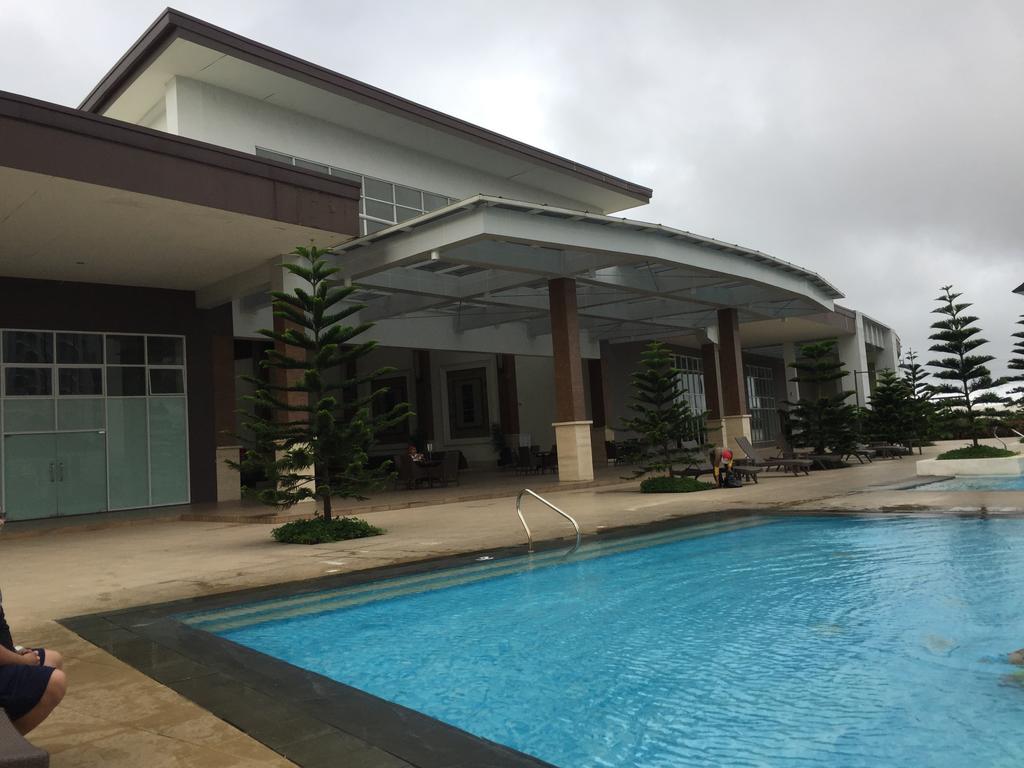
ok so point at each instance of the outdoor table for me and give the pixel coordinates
(545, 461)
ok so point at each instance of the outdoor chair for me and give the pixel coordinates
(15, 752)
(790, 465)
(449, 469)
(409, 472)
(525, 463)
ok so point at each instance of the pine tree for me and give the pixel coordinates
(891, 417)
(663, 417)
(821, 418)
(922, 421)
(316, 418)
(1016, 395)
(970, 381)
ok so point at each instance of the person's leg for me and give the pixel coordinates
(52, 658)
(51, 697)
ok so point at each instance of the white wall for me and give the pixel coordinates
(535, 385)
(476, 450)
(853, 355)
(207, 113)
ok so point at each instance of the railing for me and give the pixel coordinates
(542, 500)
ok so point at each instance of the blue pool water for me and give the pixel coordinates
(795, 642)
(1005, 483)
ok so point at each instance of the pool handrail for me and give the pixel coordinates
(542, 500)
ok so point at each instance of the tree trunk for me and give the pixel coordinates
(327, 508)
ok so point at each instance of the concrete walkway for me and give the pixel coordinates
(114, 716)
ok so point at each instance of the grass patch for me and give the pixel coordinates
(977, 452)
(319, 531)
(673, 485)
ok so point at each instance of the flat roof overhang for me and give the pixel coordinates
(90, 199)
(486, 261)
(179, 44)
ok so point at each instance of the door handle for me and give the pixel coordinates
(52, 478)
(60, 471)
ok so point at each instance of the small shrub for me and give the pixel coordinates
(673, 485)
(320, 531)
(977, 452)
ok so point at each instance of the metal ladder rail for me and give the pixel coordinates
(995, 434)
(542, 500)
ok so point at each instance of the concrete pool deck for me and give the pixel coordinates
(115, 716)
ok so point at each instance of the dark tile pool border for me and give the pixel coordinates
(310, 719)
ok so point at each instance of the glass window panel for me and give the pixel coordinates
(167, 450)
(373, 226)
(28, 415)
(467, 403)
(28, 382)
(126, 381)
(28, 347)
(80, 381)
(166, 381)
(408, 196)
(404, 214)
(281, 158)
(84, 413)
(126, 350)
(79, 348)
(165, 351)
(432, 202)
(128, 446)
(380, 210)
(319, 167)
(379, 190)
(346, 175)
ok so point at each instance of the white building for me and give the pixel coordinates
(140, 234)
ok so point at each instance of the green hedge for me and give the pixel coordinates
(319, 531)
(673, 485)
(977, 452)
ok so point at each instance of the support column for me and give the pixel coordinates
(735, 416)
(508, 405)
(222, 372)
(285, 281)
(598, 409)
(424, 394)
(572, 428)
(789, 359)
(712, 393)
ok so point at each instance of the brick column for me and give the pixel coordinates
(572, 428)
(735, 416)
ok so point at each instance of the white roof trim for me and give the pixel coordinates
(655, 230)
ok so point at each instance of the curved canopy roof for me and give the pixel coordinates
(486, 261)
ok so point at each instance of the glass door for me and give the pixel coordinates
(81, 472)
(30, 474)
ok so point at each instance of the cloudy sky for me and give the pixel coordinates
(880, 144)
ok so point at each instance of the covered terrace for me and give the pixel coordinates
(508, 276)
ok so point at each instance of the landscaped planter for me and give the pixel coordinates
(1013, 465)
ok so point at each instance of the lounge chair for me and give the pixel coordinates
(862, 452)
(696, 470)
(790, 465)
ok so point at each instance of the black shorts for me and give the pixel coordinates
(22, 687)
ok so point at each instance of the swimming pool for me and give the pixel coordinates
(980, 483)
(810, 641)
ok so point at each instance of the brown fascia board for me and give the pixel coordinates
(50, 139)
(173, 24)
